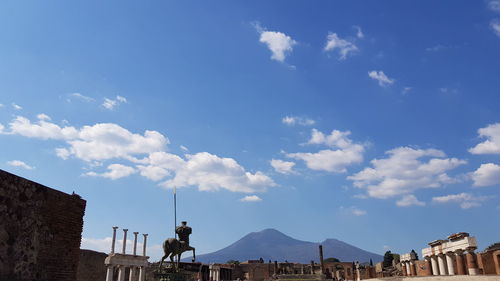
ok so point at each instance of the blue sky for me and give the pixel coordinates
(373, 122)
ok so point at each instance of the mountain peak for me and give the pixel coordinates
(271, 244)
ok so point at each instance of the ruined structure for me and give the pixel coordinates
(40, 231)
(444, 256)
(122, 262)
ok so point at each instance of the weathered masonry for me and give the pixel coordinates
(40, 231)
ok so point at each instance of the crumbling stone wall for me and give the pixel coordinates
(40, 231)
(91, 266)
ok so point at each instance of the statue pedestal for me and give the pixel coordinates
(171, 276)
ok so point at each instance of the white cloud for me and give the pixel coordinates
(278, 43)
(112, 103)
(2, 127)
(16, 107)
(81, 97)
(104, 245)
(345, 48)
(41, 130)
(1, 105)
(185, 149)
(107, 141)
(43, 116)
(486, 175)
(406, 90)
(159, 165)
(296, 120)
(465, 200)
(251, 198)
(20, 164)
(98, 142)
(380, 76)
(121, 99)
(282, 167)
(492, 143)
(436, 48)
(359, 32)
(403, 172)
(409, 200)
(211, 173)
(116, 171)
(346, 154)
(358, 212)
(495, 25)
(494, 5)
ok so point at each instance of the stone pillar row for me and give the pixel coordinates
(445, 264)
(121, 273)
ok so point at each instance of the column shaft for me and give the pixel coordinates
(403, 269)
(142, 273)
(434, 264)
(132, 273)
(413, 269)
(428, 268)
(121, 273)
(408, 271)
(109, 273)
(449, 262)
(471, 263)
(442, 265)
(460, 263)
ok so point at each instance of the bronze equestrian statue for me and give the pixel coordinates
(173, 247)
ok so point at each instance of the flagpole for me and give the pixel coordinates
(175, 211)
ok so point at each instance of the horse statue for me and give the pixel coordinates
(175, 247)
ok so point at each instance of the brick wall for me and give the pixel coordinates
(40, 231)
(91, 266)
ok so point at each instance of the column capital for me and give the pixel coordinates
(459, 252)
(115, 227)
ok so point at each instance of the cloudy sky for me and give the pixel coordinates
(373, 122)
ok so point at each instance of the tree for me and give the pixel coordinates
(388, 258)
(233, 262)
(331, 260)
(371, 262)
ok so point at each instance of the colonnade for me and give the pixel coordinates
(121, 261)
(454, 256)
(458, 262)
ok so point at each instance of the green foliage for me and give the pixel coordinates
(233, 262)
(388, 258)
(331, 260)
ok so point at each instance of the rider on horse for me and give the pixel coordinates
(184, 231)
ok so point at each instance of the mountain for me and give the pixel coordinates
(270, 244)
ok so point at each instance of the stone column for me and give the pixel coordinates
(442, 265)
(435, 267)
(413, 269)
(124, 241)
(449, 262)
(132, 273)
(460, 262)
(135, 243)
(471, 263)
(403, 269)
(109, 273)
(142, 273)
(408, 271)
(428, 267)
(144, 244)
(121, 273)
(276, 267)
(321, 259)
(312, 267)
(114, 239)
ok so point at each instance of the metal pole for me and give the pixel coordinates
(175, 211)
